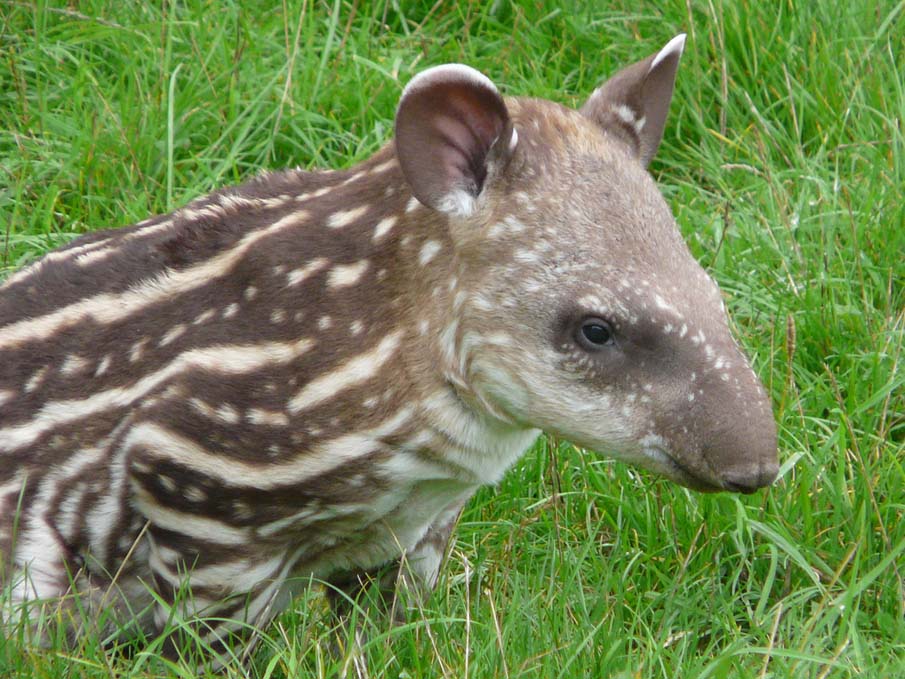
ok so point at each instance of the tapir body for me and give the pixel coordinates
(309, 374)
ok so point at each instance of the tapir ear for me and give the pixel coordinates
(634, 102)
(452, 132)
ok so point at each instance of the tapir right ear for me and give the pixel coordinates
(452, 132)
(633, 103)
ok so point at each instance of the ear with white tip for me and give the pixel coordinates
(452, 132)
(633, 103)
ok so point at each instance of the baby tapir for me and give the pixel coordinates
(309, 374)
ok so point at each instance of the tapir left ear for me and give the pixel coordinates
(453, 134)
(633, 103)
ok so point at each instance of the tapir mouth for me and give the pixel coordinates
(679, 473)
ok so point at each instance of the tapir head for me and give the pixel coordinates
(583, 313)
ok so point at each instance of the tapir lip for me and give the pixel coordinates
(680, 474)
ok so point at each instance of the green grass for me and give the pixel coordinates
(784, 161)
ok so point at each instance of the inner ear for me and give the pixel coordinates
(452, 130)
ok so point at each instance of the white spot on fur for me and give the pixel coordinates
(383, 227)
(231, 310)
(250, 292)
(225, 413)
(103, 366)
(168, 484)
(194, 493)
(267, 417)
(138, 350)
(296, 276)
(428, 251)
(73, 365)
(663, 304)
(630, 117)
(204, 316)
(345, 217)
(172, 334)
(413, 205)
(344, 275)
(228, 413)
(324, 323)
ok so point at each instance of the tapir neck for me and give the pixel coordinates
(469, 431)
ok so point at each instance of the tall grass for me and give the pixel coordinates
(784, 162)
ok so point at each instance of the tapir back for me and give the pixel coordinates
(229, 266)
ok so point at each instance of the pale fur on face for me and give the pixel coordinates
(553, 252)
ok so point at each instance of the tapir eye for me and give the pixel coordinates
(595, 333)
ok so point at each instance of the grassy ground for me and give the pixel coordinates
(784, 161)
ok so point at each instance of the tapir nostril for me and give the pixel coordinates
(748, 481)
(746, 486)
